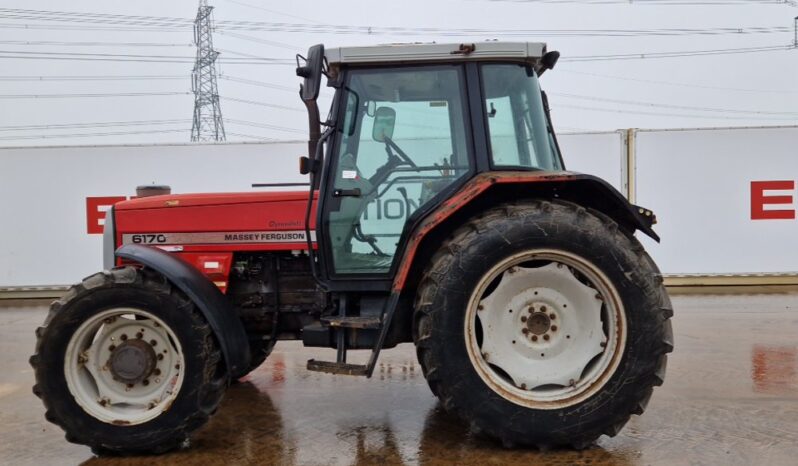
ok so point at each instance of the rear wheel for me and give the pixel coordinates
(125, 364)
(541, 323)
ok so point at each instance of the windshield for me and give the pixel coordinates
(520, 135)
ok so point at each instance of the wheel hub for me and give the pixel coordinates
(132, 361)
(538, 323)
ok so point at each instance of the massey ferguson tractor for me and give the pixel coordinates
(439, 213)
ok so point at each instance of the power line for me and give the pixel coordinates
(665, 114)
(280, 13)
(677, 84)
(259, 83)
(671, 106)
(58, 126)
(658, 2)
(90, 78)
(63, 96)
(136, 58)
(685, 53)
(263, 104)
(261, 138)
(259, 40)
(264, 125)
(172, 22)
(92, 43)
(83, 135)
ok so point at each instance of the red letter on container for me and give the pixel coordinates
(759, 200)
(95, 212)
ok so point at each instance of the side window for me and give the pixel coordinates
(519, 131)
(503, 139)
(408, 144)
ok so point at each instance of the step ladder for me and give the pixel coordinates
(340, 324)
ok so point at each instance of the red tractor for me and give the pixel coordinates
(439, 213)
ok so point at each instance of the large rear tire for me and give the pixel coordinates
(125, 364)
(541, 323)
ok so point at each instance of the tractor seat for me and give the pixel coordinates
(356, 262)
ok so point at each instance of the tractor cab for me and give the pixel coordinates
(409, 125)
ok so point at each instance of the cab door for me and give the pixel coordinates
(401, 146)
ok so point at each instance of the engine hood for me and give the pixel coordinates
(209, 199)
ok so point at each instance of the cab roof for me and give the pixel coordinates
(432, 52)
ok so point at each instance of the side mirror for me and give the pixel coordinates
(548, 61)
(384, 122)
(308, 165)
(311, 71)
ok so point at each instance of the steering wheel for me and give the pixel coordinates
(405, 158)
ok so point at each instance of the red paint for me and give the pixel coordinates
(95, 212)
(759, 200)
(227, 212)
(216, 266)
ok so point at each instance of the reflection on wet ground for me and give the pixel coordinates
(729, 398)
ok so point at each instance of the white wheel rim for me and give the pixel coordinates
(550, 333)
(99, 390)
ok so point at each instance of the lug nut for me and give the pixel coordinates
(111, 348)
(123, 337)
(552, 316)
(543, 308)
(546, 337)
(534, 338)
(523, 318)
(139, 335)
(145, 382)
(553, 328)
(525, 330)
(153, 342)
(157, 371)
(160, 356)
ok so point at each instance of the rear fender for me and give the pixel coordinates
(490, 189)
(215, 307)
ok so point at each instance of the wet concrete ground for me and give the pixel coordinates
(730, 397)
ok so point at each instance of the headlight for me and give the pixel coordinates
(109, 240)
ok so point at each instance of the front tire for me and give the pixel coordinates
(126, 364)
(543, 324)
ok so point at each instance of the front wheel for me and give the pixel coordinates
(126, 364)
(541, 323)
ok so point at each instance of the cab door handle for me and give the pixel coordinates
(346, 192)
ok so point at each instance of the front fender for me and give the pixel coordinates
(215, 307)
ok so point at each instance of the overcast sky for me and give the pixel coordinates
(740, 89)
